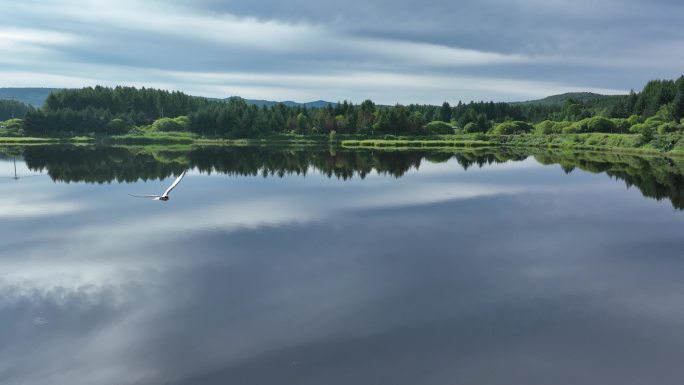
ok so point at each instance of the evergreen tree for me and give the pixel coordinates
(445, 112)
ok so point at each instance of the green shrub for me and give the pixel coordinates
(471, 128)
(118, 126)
(595, 124)
(600, 124)
(621, 125)
(579, 126)
(512, 128)
(546, 127)
(184, 121)
(168, 124)
(439, 127)
(654, 121)
(12, 127)
(634, 119)
(571, 129)
(638, 128)
(667, 127)
(559, 126)
(12, 124)
(646, 134)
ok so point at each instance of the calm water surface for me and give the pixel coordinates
(339, 268)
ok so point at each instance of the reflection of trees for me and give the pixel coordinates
(97, 165)
(10, 153)
(656, 177)
(106, 164)
(467, 160)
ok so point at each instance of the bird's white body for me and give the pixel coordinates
(165, 196)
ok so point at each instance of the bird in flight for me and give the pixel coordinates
(165, 196)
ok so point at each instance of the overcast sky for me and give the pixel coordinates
(407, 51)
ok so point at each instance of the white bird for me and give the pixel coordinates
(165, 196)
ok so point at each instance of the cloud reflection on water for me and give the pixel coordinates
(527, 276)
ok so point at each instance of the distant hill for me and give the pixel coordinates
(582, 97)
(31, 96)
(36, 97)
(270, 103)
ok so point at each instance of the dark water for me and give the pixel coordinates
(279, 266)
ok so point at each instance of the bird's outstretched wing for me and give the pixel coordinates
(175, 183)
(145, 196)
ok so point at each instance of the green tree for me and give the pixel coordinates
(445, 112)
(303, 124)
(572, 110)
(678, 105)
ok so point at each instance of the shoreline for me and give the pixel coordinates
(670, 145)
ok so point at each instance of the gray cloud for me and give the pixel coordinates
(417, 52)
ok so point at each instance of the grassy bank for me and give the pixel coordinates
(625, 143)
(23, 140)
(189, 138)
(672, 143)
(416, 143)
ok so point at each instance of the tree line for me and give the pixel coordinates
(12, 109)
(121, 110)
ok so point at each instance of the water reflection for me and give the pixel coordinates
(108, 164)
(656, 177)
(17, 175)
(509, 273)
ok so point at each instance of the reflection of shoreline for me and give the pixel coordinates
(109, 164)
(656, 177)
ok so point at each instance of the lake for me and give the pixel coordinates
(331, 266)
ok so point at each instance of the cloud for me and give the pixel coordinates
(384, 87)
(548, 46)
(14, 37)
(31, 209)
